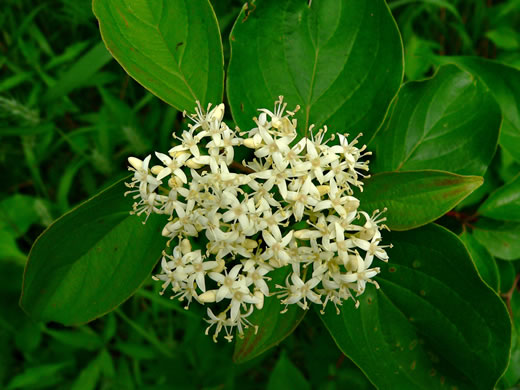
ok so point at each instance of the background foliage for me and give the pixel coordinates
(70, 115)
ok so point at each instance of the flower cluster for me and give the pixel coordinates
(290, 206)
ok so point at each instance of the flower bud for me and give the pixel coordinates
(250, 244)
(135, 162)
(208, 297)
(191, 163)
(185, 246)
(260, 296)
(323, 189)
(156, 169)
(217, 113)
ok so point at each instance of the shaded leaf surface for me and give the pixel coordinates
(433, 324)
(341, 61)
(504, 84)
(485, 263)
(286, 376)
(90, 260)
(501, 238)
(504, 203)
(415, 198)
(273, 327)
(449, 122)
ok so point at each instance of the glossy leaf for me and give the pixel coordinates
(501, 238)
(485, 263)
(504, 84)
(90, 260)
(341, 61)
(415, 198)
(491, 182)
(449, 122)
(171, 47)
(504, 203)
(433, 324)
(273, 327)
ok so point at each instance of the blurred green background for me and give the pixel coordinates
(69, 118)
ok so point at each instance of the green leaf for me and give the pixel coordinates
(90, 260)
(286, 376)
(504, 203)
(34, 375)
(504, 84)
(433, 324)
(504, 38)
(507, 272)
(88, 377)
(9, 248)
(342, 62)
(171, 47)
(508, 167)
(17, 214)
(512, 375)
(82, 338)
(491, 182)
(485, 263)
(80, 73)
(273, 327)
(439, 3)
(406, 194)
(449, 122)
(501, 238)
(417, 56)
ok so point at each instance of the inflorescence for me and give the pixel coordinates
(291, 207)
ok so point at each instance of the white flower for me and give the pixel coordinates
(276, 252)
(292, 206)
(227, 282)
(300, 290)
(142, 175)
(199, 268)
(173, 165)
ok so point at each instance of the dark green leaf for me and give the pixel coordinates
(286, 376)
(449, 122)
(512, 375)
(341, 61)
(485, 263)
(273, 327)
(34, 375)
(171, 47)
(90, 260)
(88, 377)
(504, 203)
(83, 338)
(508, 168)
(28, 337)
(439, 3)
(433, 324)
(501, 238)
(507, 272)
(415, 198)
(504, 84)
